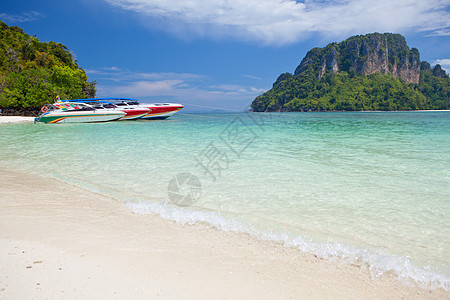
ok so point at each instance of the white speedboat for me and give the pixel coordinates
(131, 113)
(71, 112)
(156, 110)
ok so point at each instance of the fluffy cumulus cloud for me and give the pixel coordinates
(193, 90)
(278, 22)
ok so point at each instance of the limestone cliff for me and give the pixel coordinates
(366, 72)
(364, 55)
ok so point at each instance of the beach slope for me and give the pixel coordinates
(15, 119)
(59, 241)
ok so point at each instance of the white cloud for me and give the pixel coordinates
(173, 87)
(440, 32)
(252, 77)
(111, 68)
(168, 75)
(22, 18)
(146, 88)
(278, 22)
(117, 74)
(177, 88)
(229, 88)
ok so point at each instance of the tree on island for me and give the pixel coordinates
(33, 73)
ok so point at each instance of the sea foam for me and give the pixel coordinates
(378, 264)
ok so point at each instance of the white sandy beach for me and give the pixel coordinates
(58, 241)
(15, 119)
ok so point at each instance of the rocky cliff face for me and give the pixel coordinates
(439, 72)
(365, 55)
(367, 72)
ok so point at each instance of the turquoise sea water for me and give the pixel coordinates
(367, 188)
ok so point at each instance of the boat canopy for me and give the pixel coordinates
(108, 99)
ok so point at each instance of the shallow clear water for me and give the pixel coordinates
(372, 188)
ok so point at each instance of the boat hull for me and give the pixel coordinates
(162, 111)
(81, 117)
(133, 114)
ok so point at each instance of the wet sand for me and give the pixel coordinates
(59, 241)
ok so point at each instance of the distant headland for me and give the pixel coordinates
(365, 72)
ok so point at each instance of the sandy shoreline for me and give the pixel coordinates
(15, 119)
(58, 241)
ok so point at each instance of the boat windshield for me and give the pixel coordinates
(109, 105)
(84, 108)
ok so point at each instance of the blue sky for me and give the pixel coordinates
(216, 54)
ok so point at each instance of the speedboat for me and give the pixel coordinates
(73, 112)
(154, 110)
(162, 110)
(131, 113)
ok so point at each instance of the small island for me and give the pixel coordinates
(363, 73)
(33, 73)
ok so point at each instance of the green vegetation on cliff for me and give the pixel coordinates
(33, 73)
(371, 72)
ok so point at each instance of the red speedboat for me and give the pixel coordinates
(131, 113)
(156, 110)
(162, 110)
(133, 109)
